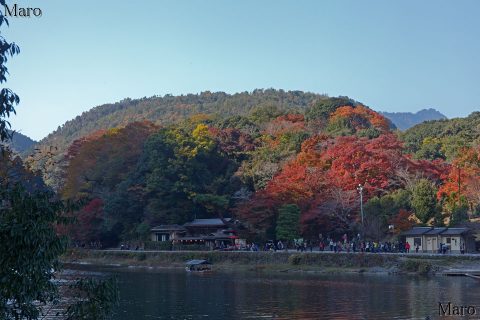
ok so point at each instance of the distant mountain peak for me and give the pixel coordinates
(405, 120)
(20, 142)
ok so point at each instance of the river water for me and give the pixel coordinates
(176, 294)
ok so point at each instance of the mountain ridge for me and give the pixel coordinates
(21, 143)
(406, 120)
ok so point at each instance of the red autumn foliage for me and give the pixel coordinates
(103, 158)
(285, 123)
(74, 149)
(330, 210)
(259, 212)
(87, 223)
(324, 177)
(369, 162)
(463, 177)
(295, 184)
(90, 220)
(436, 170)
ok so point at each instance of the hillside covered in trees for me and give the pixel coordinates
(276, 155)
(443, 139)
(169, 109)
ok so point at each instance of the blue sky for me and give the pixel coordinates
(390, 55)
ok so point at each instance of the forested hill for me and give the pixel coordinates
(269, 158)
(168, 109)
(443, 139)
(406, 120)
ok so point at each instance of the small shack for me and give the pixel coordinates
(414, 237)
(431, 240)
(455, 238)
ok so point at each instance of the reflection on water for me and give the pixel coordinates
(181, 295)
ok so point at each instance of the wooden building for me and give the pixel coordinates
(206, 226)
(167, 232)
(213, 233)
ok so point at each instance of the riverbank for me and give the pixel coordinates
(279, 261)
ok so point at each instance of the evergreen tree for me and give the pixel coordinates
(288, 222)
(459, 214)
(424, 200)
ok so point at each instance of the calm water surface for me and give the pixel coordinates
(176, 294)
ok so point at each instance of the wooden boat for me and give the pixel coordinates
(198, 266)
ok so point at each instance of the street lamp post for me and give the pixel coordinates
(360, 191)
(459, 190)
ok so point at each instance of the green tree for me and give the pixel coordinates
(181, 173)
(97, 299)
(213, 203)
(438, 218)
(264, 113)
(431, 149)
(390, 204)
(424, 200)
(237, 122)
(8, 99)
(288, 222)
(29, 244)
(29, 251)
(459, 214)
(381, 210)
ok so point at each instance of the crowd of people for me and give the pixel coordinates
(363, 246)
(90, 245)
(302, 245)
(341, 245)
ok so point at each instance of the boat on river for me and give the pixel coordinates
(198, 266)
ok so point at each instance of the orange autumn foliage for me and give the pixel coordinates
(361, 117)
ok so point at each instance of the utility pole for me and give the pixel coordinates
(360, 191)
(458, 186)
